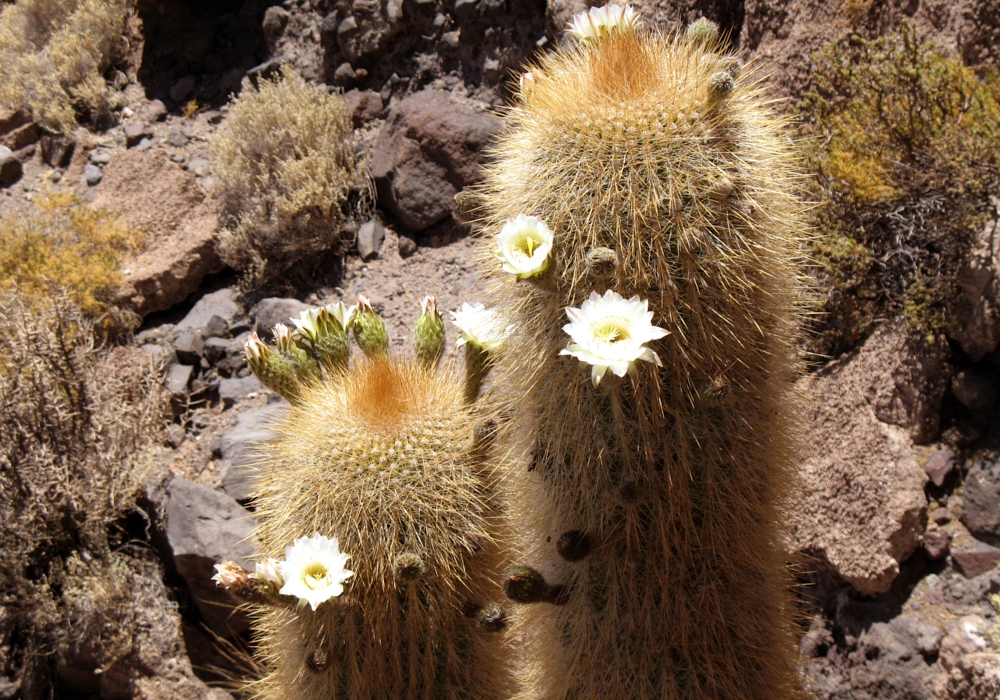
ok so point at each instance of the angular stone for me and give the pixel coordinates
(981, 500)
(235, 389)
(364, 106)
(221, 303)
(936, 544)
(215, 350)
(977, 559)
(939, 465)
(57, 150)
(153, 111)
(92, 174)
(977, 315)
(370, 237)
(254, 428)
(22, 136)
(10, 167)
(183, 88)
(274, 310)
(430, 147)
(136, 132)
(178, 218)
(178, 378)
(861, 505)
(202, 528)
(976, 387)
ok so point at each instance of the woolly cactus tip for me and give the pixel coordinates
(720, 84)
(408, 567)
(492, 618)
(525, 585)
(573, 545)
(602, 262)
(599, 22)
(703, 32)
(429, 334)
(369, 329)
(524, 246)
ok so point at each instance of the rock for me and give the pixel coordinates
(255, 427)
(163, 354)
(861, 503)
(275, 21)
(57, 150)
(370, 237)
(10, 167)
(939, 465)
(92, 174)
(157, 197)
(977, 559)
(407, 246)
(197, 49)
(364, 106)
(136, 132)
(466, 10)
(235, 389)
(430, 147)
(11, 119)
(216, 350)
(967, 636)
(975, 387)
(153, 111)
(936, 544)
(273, 310)
(973, 676)
(21, 137)
(344, 75)
(981, 501)
(178, 378)
(221, 303)
(200, 167)
(201, 528)
(977, 314)
(180, 90)
(144, 145)
(189, 345)
(265, 70)
(177, 139)
(99, 157)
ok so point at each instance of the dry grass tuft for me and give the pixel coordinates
(63, 244)
(53, 54)
(285, 167)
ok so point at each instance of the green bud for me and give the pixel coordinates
(326, 330)
(274, 371)
(720, 84)
(703, 32)
(428, 336)
(525, 585)
(369, 329)
(289, 346)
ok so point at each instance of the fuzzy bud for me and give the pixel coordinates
(602, 262)
(466, 207)
(573, 545)
(703, 32)
(525, 585)
(273, 370)
(428, 335)
(408, 567)
(289, 346)
(492, 618)
(720, 84)
(369, 329)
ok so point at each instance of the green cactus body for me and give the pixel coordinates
(383, 457)
(650, 505)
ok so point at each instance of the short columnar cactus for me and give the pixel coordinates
(381, 570)
(648, 375)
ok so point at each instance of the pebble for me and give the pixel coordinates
(100, 158)
(144, 145)
(92, 174)
(177, 139)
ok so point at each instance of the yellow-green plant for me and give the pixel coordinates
(646, 507)
(53, 54)
(377, 467)
(904, 143)
(285, 166)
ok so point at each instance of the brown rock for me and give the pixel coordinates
(936, 544)
(430, 147)
(977, 559)
(861, 505)
(57, 150)
(978, 308)
(939, 466)
(178, 218)
(364, 106)
(974, 676)
(22, 136)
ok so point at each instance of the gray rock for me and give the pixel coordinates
(253, 428)
(981, 502)
(11, 169)
(235, 389)
(178, 378)
(221, 303)
(154, 111)
(975, 387)
(189, 346)
(200, 167)
(177, 139)
(144, 145)
(407, 246)
(430, 147)
(370, 237)
(266, 70)
(275, 21)
(136, 132)
(274, 310)
(180, 90)
(344, 75)
(100, 157)
(977, 308)
(939, 465)
(216, 350)
(92, 174)
(164, 354)
(452, 39)
(202, 528)
(215, 327)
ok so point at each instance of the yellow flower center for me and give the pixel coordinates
(315, 575)
(527, 242)
(612, 330)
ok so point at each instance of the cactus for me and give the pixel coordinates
(377, 467)
(647, 507)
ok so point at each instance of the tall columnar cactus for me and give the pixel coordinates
(646, 485)
(381, 567)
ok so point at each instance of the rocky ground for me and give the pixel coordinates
(896, 531)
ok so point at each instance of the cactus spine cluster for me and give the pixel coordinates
(647, 508)
(381, 454)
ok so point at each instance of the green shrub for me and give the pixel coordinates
(53, 54)
(285, 168)
(905, 152)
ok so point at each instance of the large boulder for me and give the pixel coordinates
(981, 500)
(240, 447)
(431, 146)
(179, 220)
(861, 505)
(978, 308)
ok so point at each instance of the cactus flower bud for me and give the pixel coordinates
(326, 330)
(369, 329)
(428, 336)
(274, 371)
(305, 365)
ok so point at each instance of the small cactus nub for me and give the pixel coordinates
(525, 585)
(429, 334)
(369, 329)
(703, 32)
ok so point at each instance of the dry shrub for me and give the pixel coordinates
(63, 244)
(75, 422)
(53, 54)
(905, 152)
(285, 168)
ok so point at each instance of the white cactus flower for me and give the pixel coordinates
(341, 313)
(525, 246)
(478, 325)
(602, 21)
(308, 324)
(610, 332)
(283, 337)
(267, 571)
(254, 347)
(314, 570)
(228, 574)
